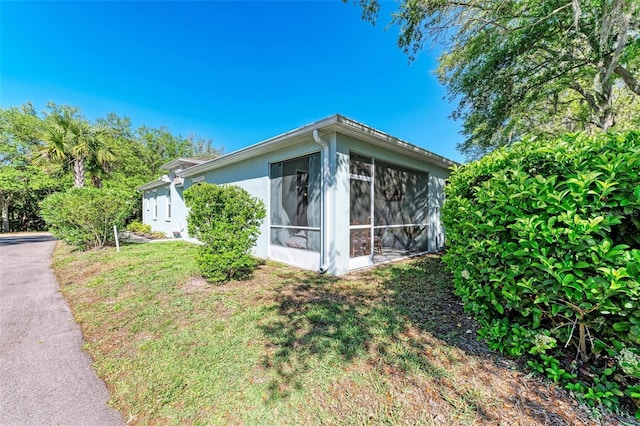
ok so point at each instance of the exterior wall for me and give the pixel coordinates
(253, 176)
(161, 222)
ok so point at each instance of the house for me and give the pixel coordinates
(339, 195)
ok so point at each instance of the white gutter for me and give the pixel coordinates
(326, 175)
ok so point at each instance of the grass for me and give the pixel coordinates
(384, 346)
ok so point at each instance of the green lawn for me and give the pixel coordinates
(384, 346)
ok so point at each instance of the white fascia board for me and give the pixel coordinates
(177, 162)
(151, 185)
(376, 137)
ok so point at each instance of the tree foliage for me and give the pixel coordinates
(530, 66)
(544, 244)
(85, 216)
(21, 183)
(73, 143)
(41, 153)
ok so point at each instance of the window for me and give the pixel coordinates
(155, 205)
(360, 191)
(169, 204)
(295, 203)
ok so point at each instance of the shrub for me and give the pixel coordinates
(85, 217)
(544, 244)
(226, 219)
(139, 228)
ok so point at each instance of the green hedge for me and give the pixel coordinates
(544, 244)
(85, 217)
(226, 219)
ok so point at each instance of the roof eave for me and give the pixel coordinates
(179, 161)
(152, 185)
(334, 123)
(376, 137)
(257, 148)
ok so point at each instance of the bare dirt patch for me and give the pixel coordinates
(196, 285)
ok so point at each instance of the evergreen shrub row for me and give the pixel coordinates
(544, 244)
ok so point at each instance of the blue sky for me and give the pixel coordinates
(233, 72)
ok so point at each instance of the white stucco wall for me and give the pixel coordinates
(161, 222)
(253, 176)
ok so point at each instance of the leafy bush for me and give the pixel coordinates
(139, 228)
(544, 245)
(85, 216)
(226, 219)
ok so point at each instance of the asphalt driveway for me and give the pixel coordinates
(45, 377)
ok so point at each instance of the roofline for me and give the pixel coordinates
(177, 161)
(335, 123)
(369, 134)
(151, 185)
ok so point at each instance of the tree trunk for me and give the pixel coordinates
(78, 172)
(582, 344)
(97, 182)
(604, 95)
(5, 200)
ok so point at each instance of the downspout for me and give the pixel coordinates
(324, 242)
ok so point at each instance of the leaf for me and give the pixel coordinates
(621, 326)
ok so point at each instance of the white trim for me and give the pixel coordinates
(306, 228)
(197, 179)
(297, 257)
(151, 185)
(180, 161)
(360, 262)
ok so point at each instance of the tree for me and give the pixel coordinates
(43, 153)
(20, 180)
(162, 146)
(70, 141)
(515, 66)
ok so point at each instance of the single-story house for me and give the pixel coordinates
(339, 195)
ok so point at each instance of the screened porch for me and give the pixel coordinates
(388, 213)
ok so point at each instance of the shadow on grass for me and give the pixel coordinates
(395, 320)
(324, 322)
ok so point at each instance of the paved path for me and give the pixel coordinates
(45, 377)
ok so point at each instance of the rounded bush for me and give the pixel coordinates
(85, 217)
(226, 219)
(544, 245)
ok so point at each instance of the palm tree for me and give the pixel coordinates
(75, 144)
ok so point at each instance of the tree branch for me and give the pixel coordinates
(587, 96)
(632, 83)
